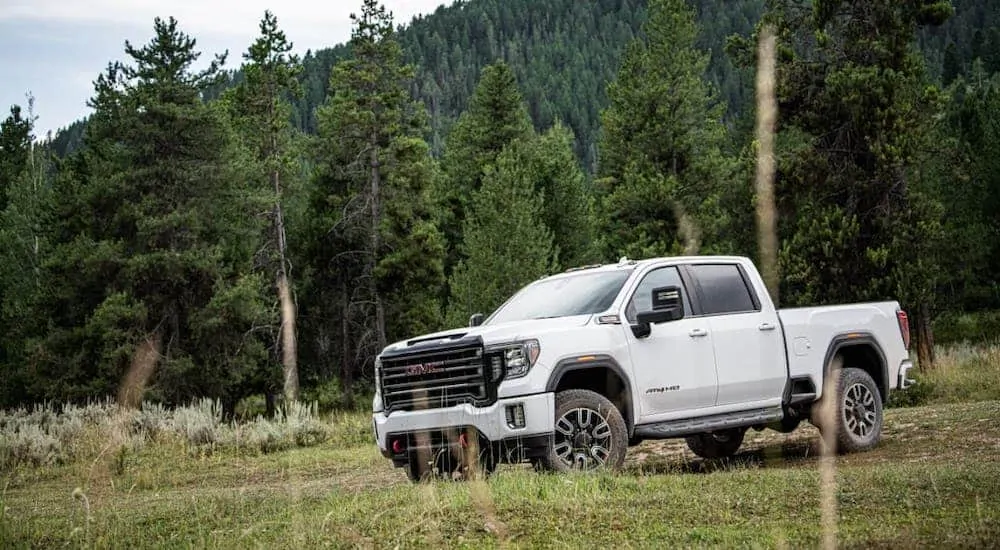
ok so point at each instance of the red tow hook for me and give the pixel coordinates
(462, 442)
(397, 446)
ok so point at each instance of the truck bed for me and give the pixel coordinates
(809, 330)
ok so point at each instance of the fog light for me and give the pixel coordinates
(515, 416)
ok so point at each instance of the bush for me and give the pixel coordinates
(920, 393)
(962, 373)
(45, 435)
(978, 328)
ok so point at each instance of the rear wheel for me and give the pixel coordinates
(590, 434)
(720, 444)
(857, 415)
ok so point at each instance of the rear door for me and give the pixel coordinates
(747, 338)
(674, 367)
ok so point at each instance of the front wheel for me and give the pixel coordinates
(590, 433)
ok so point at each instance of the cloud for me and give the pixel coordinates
(55, 48)
(313, 24)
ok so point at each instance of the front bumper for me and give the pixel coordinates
(904, 369)
(490, 422)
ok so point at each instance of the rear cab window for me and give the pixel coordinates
(722, 289)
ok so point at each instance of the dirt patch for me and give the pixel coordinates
(915, 434)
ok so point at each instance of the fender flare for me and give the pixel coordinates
(589, 361)
(854, 338)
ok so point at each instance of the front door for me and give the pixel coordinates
(674, 367)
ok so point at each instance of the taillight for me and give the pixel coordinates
(904, 327)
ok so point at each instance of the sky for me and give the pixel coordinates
(54, 49)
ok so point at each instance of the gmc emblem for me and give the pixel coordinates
(424, 368)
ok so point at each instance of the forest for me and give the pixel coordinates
(264, 230)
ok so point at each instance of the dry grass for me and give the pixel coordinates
(962, 373)
(46, 435)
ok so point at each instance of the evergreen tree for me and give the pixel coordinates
(855, 223)
(23, 219)
(507, 246)
(262, 112)
(145, 285)
(952, 66)
(496, 116)
(559, 180)
(661, 164)
(15, 145)
(375, 253)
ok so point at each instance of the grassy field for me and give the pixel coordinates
(933, 482)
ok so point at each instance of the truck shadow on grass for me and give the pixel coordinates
(677, 460)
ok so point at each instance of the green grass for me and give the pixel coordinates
(934, 481)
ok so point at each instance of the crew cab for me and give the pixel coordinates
(576, 367)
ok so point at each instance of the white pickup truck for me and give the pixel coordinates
(578, 366)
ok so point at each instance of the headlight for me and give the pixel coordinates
(518, 358)
(377, 404)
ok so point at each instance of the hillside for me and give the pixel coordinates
(565, 52)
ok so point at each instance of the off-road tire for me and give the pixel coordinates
(588, 427)
(720, 444)
(858, 415)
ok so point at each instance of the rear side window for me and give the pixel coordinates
(723, 289)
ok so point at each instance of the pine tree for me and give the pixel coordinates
(263, 114)
(507, 247)
(951, 67)
(146, 285)
(496, 116)
(24, 217)
(661, 164)
(15, 146)
(375, 252)
(855, 223)
(558, 178)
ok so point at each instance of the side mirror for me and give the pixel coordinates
(667, 306)
(476, 319)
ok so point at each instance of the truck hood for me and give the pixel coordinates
(498, 334)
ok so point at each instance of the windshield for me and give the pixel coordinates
(583, 294)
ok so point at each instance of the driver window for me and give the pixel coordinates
(641, 299)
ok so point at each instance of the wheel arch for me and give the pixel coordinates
(860, 350)
(598, 373)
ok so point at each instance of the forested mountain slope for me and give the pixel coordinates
(564, 53)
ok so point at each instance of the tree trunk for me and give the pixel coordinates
(925, 338)
(289, 359)
(270, 407)
(375, 244)
(346, 365)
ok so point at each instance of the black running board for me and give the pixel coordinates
(800, 398)
(688, 426)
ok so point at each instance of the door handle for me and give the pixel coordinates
(765, 326)
(698, 333)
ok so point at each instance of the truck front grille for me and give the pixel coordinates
(435, 378)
